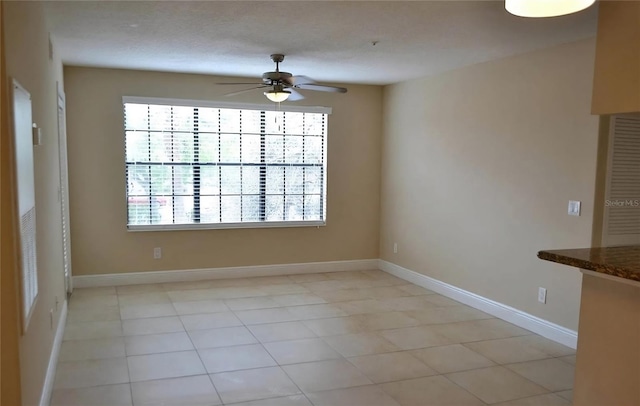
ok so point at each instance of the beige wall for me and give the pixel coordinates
(27, 60)
(608, 362)
(478, 167)
(100, 242)
(616, 82)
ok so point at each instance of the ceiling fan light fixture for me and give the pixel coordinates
(277, 94)
(545, 8)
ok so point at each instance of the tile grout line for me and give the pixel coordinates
(281, 368)
(246, 326)
(197, 352)
(194, 349)
(209, 375)
(99, 338)
(205, 367)
(274, 360)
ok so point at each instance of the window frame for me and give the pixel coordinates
(239, 106)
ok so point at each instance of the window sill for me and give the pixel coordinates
(225, 226)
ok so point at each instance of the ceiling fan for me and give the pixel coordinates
(283, 84)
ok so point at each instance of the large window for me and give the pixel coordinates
(200, 165)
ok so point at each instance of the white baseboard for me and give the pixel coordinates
(539, 326)
(190, 275)
(47, 387)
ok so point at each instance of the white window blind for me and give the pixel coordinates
(191, 165)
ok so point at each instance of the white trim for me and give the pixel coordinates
(539, 326)
(189, 275)
(47, 387)
(224, 226)
(222, 105)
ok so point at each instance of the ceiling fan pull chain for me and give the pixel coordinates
(275, 117)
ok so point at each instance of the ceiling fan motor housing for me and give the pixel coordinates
(276, 77)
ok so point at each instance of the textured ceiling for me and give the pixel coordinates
(326, 40)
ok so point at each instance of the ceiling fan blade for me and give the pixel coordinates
(240, 83)
(321, 88)
(301, 80)
(245, 90)
(295, 96)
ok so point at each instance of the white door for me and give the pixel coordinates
(64, 189)
(622, 201)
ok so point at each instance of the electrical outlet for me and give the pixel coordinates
(542, 295)
(157, 253)
(395, 247)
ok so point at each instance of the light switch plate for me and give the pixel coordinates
(574, 208)
(542, 295)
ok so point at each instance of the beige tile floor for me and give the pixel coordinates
(335, 339)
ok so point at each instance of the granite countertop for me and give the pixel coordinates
(623, 262)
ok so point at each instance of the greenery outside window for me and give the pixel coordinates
(194, 164)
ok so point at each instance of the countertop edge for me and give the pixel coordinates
(584, 264)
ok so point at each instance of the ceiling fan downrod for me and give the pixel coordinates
(277, 58)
